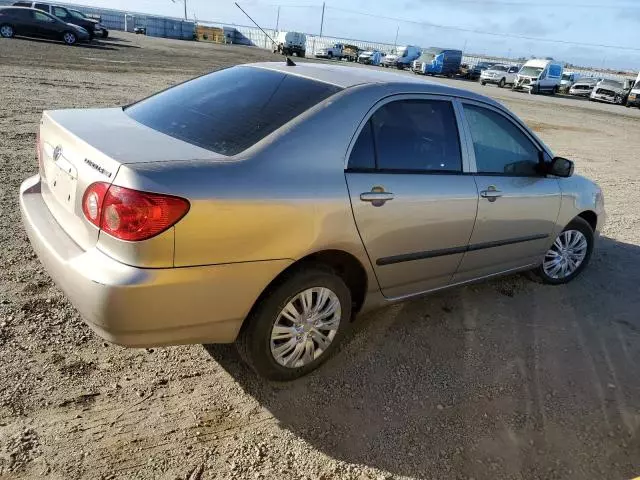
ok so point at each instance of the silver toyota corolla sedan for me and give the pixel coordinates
(268, 204)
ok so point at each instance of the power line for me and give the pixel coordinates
(541, 4)
(481, 32)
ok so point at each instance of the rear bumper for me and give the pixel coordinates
(139, 307)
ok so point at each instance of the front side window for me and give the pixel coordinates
(500, 146)
(410, 136)
(43, 17)
(230, 110)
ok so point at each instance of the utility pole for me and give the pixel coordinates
(464, 47)
(509, 55)
(185, 9)
(322, 19)
(395, 42)
(278, 18)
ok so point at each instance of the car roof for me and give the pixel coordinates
(351, 76)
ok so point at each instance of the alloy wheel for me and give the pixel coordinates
(69, 38)
(6, 31)
(305, 327)
(565, 255)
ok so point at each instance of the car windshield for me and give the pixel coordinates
(531, 71)
(611, 83)
(501, 68)
(566, 76)
(230, 110)
(77, 14)
(426, 57)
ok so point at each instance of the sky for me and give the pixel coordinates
(605, 32)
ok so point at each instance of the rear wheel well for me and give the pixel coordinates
(343, 264)
(591, 218)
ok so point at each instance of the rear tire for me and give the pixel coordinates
(105, 34)
(69, 38)
(7, 31)
(584, 231)
(302, 54)
(256, 343)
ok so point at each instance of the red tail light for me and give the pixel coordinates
(130, 214)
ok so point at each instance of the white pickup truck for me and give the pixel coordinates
(500, 75)
(335, 51)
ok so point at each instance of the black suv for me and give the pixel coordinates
(91, 26)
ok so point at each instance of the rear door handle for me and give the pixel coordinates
(376, 198)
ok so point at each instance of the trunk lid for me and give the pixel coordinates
(80, 147)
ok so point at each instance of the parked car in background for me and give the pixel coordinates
(30, 22)
(610, 91)
(476, 70)
(370, 57)
(140, 30)
(500, 75)
(583, 87)
(438, 61)
(568, 79)
(163, 229)
(291, 43)
(63, 13)
(104, 33)
(634, 95)
(539, 76)
(402, 58)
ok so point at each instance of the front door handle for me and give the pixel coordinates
(377, 198)
(491, 193)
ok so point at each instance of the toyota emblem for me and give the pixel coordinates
(57, 152)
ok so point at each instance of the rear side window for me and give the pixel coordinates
(22, 4)
(17, 13)
(230, 110)
(412, 136)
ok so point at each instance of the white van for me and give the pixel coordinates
(403, 57)
(634, 94)
(538, 76)
(290, 43)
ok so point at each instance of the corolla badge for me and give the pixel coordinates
(56, 153)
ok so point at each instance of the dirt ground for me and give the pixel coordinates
(503, 380)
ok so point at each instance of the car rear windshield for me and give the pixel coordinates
(230, 110)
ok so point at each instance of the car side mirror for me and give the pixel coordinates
(561, 167)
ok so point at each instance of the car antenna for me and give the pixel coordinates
(289, 61)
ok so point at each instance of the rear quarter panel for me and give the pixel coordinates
(284, 198)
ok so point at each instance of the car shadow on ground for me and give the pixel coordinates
(496, 380)
(95, 46)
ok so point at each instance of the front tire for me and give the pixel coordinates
(569, 254)
(69, 38)
(502, 83)
(297, 326)
(6, 31)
